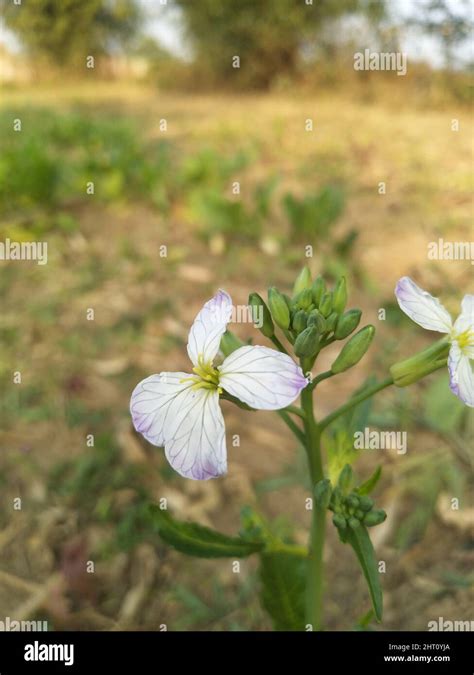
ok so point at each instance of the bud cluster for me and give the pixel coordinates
(350, 508)
(312, 317)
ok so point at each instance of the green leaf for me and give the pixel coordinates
(283, 589)
(367, 487)
(360, 541)
(197, 540)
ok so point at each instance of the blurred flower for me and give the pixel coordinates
(429, 313)
(181, 411)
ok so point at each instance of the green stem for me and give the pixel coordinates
(355, 400)
(319, 378)
(291, 425)
(295, 410)
(278, 344)
(314, 588)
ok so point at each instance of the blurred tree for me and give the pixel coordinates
(268, 35)
(449, 22)
(68, 30)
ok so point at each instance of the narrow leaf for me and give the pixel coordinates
(197, 540)
(360, 541)
(367, 487)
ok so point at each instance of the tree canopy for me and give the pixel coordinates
(267, 35)
(68, 30)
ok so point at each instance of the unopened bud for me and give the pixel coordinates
(374, 517)
(260, 312)
(278, 307)
(325, 306)
(306, 344)
(340, 296)
(299, 321)
(354, 350)
(322, 493)
(347, 323)
(303, 280)
(317, 289)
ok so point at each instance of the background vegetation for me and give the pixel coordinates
(164, 144)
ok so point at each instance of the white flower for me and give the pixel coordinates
(429, 313)
(181, 411)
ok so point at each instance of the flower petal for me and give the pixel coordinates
(262, 378)
(465, 320)
(195, 444)
(208, 327)
(151, 401)
(461, 378)
(421, 307)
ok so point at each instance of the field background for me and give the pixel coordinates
(173, 188)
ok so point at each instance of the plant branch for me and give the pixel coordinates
(319, 378)
(292, 425)
(355, 400)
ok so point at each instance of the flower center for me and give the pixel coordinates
(207, 377)
(465, 339)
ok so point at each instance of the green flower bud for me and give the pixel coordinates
(345, 478)
(339, 521)
(354, 350)
(352, 500)
(303, 280)
(304, 299)
(374, 517)
(261, 314)
(336, 499)
(306, 344)
(331, 322)
(354, 523)
(322, 493)
(229, 343)
(422, 364)
(359, 514)
(366, 503)
(340, 296)
(317, 289)
(278, 308)
(315, 318)
(347, 323)
(325, 306)
(299, 321)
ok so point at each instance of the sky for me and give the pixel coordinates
(164, 24)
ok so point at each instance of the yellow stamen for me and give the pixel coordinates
(207, 377)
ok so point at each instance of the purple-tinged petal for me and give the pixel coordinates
(151, 401)
(187, 422)
(421, 307)
(461, 378)
(208, 328)
(196, 446)
(262, 378)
